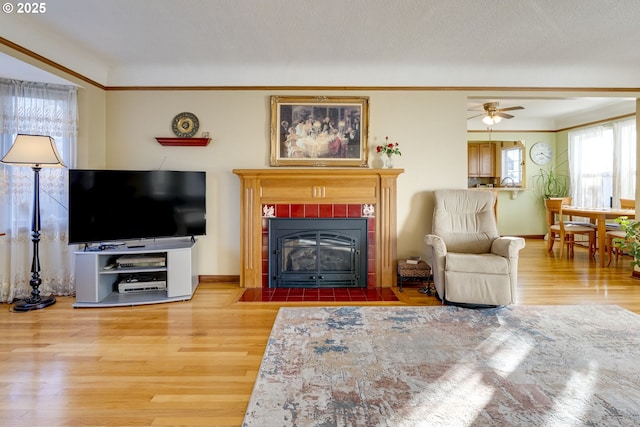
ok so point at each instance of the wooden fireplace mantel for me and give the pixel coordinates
(317, 185)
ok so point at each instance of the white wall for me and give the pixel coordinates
(430, 127)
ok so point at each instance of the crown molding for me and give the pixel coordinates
(378, 88)
(581, 125)
(49, 62)
(60, 67)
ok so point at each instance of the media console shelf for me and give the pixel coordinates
(172, 261)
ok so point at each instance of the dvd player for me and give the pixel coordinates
(128, 286)
(129, 261)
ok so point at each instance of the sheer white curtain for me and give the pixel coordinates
(602, 164)
(37, 109)
(590, 166)
(624, 156)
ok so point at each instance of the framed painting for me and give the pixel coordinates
(319, 131)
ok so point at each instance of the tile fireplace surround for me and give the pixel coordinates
(327, 192)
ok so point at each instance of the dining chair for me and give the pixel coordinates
(627, 204)
(624, 204)
(552, 210)
(558, 225)
(617, 233)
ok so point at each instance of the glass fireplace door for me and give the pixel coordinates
(319, 258)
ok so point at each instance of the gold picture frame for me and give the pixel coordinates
(319, 131)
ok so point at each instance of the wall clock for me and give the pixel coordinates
(185, 125)
(541, 153)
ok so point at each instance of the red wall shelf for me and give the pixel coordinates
(184, 142)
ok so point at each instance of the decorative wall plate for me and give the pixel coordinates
(185, 125)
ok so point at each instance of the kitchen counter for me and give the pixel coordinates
(513, 190)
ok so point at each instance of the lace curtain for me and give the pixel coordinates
(37, 109)
(602, 164)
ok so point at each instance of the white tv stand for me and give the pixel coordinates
(97, 281)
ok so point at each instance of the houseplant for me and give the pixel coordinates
(549, 183)
(631, 242)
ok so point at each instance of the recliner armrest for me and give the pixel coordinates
(439, 247)
(436, 256)
(507, 246)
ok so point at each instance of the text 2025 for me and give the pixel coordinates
(31, 7)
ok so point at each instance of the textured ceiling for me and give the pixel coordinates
(577, 43)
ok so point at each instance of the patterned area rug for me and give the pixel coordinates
(448, 366)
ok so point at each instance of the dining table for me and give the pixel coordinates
(599, 217)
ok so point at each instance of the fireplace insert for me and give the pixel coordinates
(317, 252)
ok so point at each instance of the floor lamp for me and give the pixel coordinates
(36, 151)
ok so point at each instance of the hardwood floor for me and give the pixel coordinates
(194, 363)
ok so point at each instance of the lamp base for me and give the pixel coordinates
(29, 305)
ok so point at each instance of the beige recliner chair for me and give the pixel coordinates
(471, 264)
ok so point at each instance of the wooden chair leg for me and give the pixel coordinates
(618, 251)
(571, 245)
(552, 240)
(613, 249)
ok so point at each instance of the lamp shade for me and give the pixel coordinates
(491, 119)
(34, 151)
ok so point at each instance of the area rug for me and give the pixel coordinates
(449, 366)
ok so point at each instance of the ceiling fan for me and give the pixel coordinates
(493, 114)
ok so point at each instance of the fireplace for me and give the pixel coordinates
(317, 252)
(318, 192)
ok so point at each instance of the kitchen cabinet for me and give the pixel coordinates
(481, 158)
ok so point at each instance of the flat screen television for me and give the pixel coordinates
(119, 205)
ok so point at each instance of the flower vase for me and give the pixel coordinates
(388, 162)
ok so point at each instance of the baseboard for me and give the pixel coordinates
(204, 278)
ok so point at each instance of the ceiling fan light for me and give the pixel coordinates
(491, 120)
(487, 120)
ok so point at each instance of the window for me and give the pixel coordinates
(512, 165)
(602, 164)
(36, 109)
